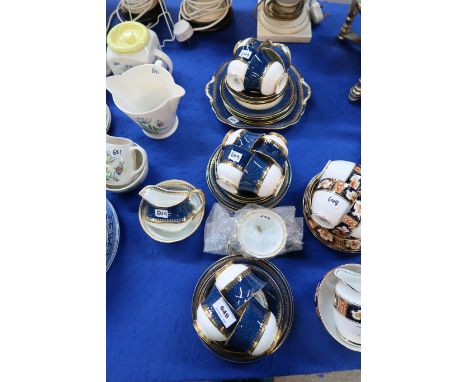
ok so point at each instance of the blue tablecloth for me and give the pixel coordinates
(150, 336)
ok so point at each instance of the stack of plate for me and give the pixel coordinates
(237, 201)
(278, 296)
(112, 234)
(326, 236)
(253, 110)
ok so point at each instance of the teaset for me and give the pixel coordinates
(242, 306)
(259, 88)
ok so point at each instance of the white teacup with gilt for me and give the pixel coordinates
(331, 201)
(347, 305)
(231, 167)
(170, 210)
(121, 164)
(345, 171)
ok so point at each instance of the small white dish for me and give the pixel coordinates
(108, 118)
(262, 233)
(324, 298)
(172, 237)
(141, 157)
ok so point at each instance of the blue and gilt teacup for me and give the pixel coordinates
(170, 210)
(347, 312)
(245, 49)
(242, 138)
(238, 285)
(261, 176)
(280, 52)
(255, 332)
(261, 75)
(230, 168)
(272, 148)
(215, 317)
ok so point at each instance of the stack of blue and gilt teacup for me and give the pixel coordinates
(249, 168)
(256, 80)
(235, 313)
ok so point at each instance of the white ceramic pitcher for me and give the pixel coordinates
(149, 96)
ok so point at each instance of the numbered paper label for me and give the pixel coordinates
(163, 214)
(245, 53)
(224, 313)
(233, 119)
(235, 156)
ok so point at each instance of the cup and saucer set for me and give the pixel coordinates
(112, 234)
(249, 168)
(126, 164)
(259, 88)
(242, 309)
(338, 304)
(332, 206)
(171, 210)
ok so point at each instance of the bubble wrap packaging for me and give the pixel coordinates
(253, 231)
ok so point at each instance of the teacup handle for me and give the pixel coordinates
(143, 154)
(159, 54)
(201, 194)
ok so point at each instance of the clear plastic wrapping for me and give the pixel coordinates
(253, 231)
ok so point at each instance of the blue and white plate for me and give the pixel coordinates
(112, 234)
(302, 95)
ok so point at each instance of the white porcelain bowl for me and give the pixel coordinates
(262, 233)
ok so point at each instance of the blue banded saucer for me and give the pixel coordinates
(112, 234)
(327, 237)
(302, 94)
(277, 292)
(236, 202)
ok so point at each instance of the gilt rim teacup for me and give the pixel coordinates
(261, 176)
(215, 317)
(345, 171)
(331, 201)
(255, 331)
(231, 167)
(271, 149)
(242, 138)
(238, 285)
(264, 75)
(347, 312)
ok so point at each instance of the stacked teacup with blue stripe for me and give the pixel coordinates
(235, 312)
(252, 164)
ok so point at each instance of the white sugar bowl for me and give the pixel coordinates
(130, 44)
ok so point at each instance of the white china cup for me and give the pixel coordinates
(121, 164)
(280, 140)
(338, 169)
(228, 177)
(262, 233)
(328, 208)
(269, 336)
(229, 274)
(346, 327)
(272, 182)
(149, 54)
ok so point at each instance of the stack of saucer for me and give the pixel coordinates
(249, 168)
(171, 211)
(332, 206)
(259, 88)
(242, 327)
(126, 164)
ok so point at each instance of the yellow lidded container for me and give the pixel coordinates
(128, 37)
